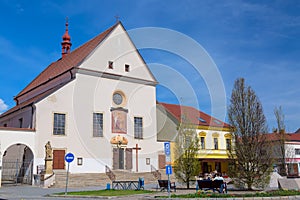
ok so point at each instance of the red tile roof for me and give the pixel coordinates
(288, 136)
(66, 63)
(294, 136)
(30, 101)
(193, 116)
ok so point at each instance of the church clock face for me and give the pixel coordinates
(117, 98)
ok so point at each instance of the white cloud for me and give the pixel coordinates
(3, 106)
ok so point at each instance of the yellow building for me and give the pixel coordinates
(214, 134)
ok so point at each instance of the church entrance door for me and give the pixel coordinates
(118, 158)
(121, 158)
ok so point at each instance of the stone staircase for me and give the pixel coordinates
(80, 180)
(101, 179)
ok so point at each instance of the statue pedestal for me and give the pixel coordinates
(48, 166)
(47, 176)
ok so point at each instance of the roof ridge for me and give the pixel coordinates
(209, 120)
(198, 110)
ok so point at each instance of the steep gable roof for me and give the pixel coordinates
(193, 116)
(30, 101)
(66, 63)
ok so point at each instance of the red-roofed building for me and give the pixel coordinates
(214, 134)
(95, 101)
(291, 148)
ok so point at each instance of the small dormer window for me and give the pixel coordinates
(110, 64)
(127, 68)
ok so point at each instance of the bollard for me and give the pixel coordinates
(141, 183)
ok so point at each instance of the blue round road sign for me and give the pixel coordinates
(69, 157)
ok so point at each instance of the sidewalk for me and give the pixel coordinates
(27, 192)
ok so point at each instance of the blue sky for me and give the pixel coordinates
(257, 40)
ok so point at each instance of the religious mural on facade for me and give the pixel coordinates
(119, 121)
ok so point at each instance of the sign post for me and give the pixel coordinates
(168, 172)
(168, 162)
(69, 157)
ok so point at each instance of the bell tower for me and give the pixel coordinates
(66, 43)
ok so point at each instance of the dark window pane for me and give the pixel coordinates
(138, 127)
(59, 124)
(97, 124)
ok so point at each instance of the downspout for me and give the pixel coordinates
(73, 72)
(33, 116)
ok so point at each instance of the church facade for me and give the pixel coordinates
(97, 102)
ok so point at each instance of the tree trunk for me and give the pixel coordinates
(249, 185)
(188, 183)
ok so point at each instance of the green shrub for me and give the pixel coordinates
(203, 194)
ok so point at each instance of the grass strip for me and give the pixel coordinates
(107, 192)
(201, 194)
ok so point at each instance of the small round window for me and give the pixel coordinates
(117, 98)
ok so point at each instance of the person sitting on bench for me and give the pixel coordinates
(219, 177)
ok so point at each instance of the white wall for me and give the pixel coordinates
(119, 49)
(91, 93)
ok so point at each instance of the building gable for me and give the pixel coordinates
(117, 58)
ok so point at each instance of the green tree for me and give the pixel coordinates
(186, 164)
(251, 156)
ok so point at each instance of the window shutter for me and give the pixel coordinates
(161, 161)
(128, 158)
(115, 158)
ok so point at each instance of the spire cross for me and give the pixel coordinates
(117, 18)
(67, 23)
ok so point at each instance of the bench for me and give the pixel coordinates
(163, 185)
(125, 185)
(212, 185)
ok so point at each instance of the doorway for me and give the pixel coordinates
(59, 159)
(17, 165)
(118, 158)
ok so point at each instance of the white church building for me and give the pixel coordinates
(98, 102)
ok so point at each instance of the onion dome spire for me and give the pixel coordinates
(66, 43)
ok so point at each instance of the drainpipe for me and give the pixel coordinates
(33, 116)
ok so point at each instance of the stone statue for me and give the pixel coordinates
(48, 150)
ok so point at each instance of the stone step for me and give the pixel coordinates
(101, 179)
